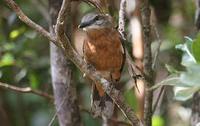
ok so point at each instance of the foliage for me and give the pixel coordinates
(186, 83)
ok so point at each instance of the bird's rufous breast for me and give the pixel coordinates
(103, 50)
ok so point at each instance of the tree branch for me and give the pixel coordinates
(134, 71)
(92, 3)
(61, 22)
(64, 43)
(148, 71)
(158, 47)
(122, 13)
(28, 21)
(42, 9)
(162, 90)
(26, 90)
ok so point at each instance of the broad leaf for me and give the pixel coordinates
(192, 76)
(171, 69)
(187, 58)
(7, 60)
(184, 93)
(196, 49)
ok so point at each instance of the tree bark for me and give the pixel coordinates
(64, 91)
(195, 118)
(148, 71)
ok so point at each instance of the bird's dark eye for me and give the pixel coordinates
(97, 17)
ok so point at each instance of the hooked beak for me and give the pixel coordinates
(84, 24)
(79, 26)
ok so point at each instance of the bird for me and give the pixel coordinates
(103, 49)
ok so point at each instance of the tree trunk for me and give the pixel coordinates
(61, 73)
(195, 118)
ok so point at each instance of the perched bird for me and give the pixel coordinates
(102, 48)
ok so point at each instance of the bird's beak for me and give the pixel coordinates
(84, 24)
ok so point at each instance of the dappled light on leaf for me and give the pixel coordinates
(16, 33)
(196, 49)
(157, 121)
(7, 60)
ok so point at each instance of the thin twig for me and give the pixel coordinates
(162, 90)
(42, 9)
(134, 71)
(60, 23)
(26, 90)
(120, 122)
(92, 3)
(170, 81)
(28, 21)
(57, 110)
(122, 13)
(52, 119)
(158, 47)
(154, 64)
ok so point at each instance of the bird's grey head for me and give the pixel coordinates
(96, 21)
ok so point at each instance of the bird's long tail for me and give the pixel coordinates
(101, 104)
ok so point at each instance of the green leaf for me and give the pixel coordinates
(17, 32)
(196, 49)
(171, 69)
(14, 34)
(7, 60)
(184, 93)
(9, 46)
(1, 73)
(34, 80)
(186, 47)
(19, 76)
(188, 60)
(89, 121)
(187, 83)
(131, 99)
(188, 57)
(192, 76)
(157, 121)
